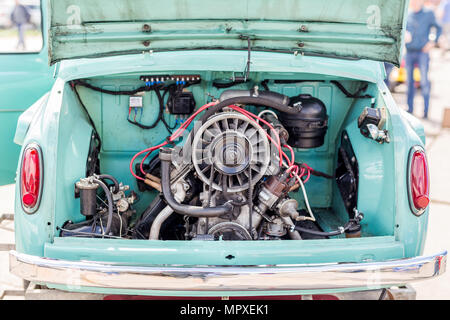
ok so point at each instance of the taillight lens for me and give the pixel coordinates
(418, 181)
(31, 178)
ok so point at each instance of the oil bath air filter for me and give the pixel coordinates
(307, 128)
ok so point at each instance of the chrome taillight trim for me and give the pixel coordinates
(414, 210)
(32, 145)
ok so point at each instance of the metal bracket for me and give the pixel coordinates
(246, 72)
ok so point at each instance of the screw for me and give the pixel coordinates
(301, 44)
(146, 28)
(146, 43)
(303, 28)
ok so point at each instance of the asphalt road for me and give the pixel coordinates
(438, 149)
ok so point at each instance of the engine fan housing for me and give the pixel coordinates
(230, 144)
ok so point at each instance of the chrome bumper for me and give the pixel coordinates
(227, 278)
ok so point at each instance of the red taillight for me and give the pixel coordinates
(419, 181)
(31, 178)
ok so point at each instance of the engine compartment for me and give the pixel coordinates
(265, 161)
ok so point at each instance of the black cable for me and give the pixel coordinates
(111, 92)
(342, 230)
(97, 136)
(264, 85)
(110, 204)
(356, 95)
(161, 111)
(84, 233)
(158, 118)
(319, 233)
(226, 85)
(316, 173)
(156, 88)
(116, 93)
(169, 129)
(142, 126)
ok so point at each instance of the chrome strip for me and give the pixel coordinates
(227, 278)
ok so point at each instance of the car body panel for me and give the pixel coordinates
(24, 78)
(61, 121)
(230, 61)
(369, 29)
(62, 129)
(216, 252)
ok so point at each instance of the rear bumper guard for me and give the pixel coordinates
(371, 275)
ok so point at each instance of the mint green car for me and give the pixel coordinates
(218, 148)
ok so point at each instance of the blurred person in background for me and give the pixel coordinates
(419, 24)
(444, 15)
(389, 67)
(20, 17)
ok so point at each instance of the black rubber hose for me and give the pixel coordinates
(111, 178)
(187, 210)
(226, 85)
(323, 234)
(110, 204)
(259, 101)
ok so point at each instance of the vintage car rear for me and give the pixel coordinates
(210, 148)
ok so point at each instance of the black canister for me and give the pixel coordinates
(88, 196)
(308, 127)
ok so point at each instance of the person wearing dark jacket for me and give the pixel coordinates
(419, 24)
(20, 17)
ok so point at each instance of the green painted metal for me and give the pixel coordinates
(368, 29)
(24, 78)
(145, 253)
(58, 124)
(281, 65)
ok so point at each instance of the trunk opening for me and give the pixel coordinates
(346, 165)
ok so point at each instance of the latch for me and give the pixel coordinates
(371, 124)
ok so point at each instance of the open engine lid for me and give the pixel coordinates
(366, 29)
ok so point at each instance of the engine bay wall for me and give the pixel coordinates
(120, 141)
